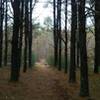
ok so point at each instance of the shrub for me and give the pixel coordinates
(50, 60)
(34, 58)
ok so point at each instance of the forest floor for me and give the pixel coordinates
(41, 83)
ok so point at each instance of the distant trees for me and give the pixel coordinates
(48, 23)
(78, 49)
(22, 30)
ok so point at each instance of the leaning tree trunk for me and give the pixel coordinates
(84, 86)
(72, 70)
(97, 36)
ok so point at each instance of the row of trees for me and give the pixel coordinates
(21, 40)
(78, 43)
(22, 31)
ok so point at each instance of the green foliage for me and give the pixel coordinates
(63, 61)
(48, 23)
(34, 58)
(50, 61)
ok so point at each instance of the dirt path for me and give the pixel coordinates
(40, 83)
(44, 84)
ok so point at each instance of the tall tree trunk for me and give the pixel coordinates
(15, 68)
(84, 86)
(1, 29)
(59, 33)
(6, 36)
(26, 35)
(77, 41)
(21, 31)
(72, 70)
(55, 33)
(66, 38)
(30, 36)
(97, 36)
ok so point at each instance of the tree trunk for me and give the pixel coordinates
(97, 36)
(77, 41)
(21, 31)
(59, 33)
(26, 35)
(15, 68)
(66, 38)
(1, 29)
(72, 70)
(30, 36)
(6, 37)
(84, 86)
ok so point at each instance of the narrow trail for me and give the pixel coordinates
(40, 83)
(45, 84)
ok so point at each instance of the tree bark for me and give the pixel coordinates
(30, 36)
(21, 31)
(26, 35)
(66, 38)
(84, 85)
(1, 29)
(6, 36)
(97, 36)
(72, 69)
(15, 68)
(59, 33)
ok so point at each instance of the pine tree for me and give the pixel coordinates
(1, 29)
(6, 35)
(72, 71)
(30, 36)
(59, 33)
(66, 38)
(84, 85)
(97, 36)
(26, 35)
(15, 68)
